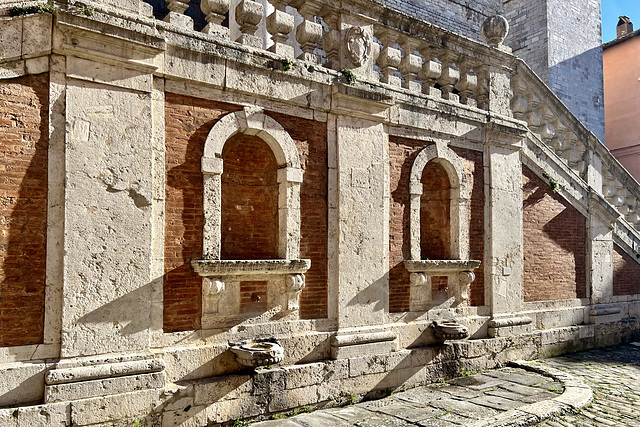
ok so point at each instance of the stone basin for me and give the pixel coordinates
(256, 354)
(449, 330)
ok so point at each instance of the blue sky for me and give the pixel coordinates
(612, 9)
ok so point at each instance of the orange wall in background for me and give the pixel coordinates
(622, 102)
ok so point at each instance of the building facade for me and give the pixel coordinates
(300, 202)
(622, 95)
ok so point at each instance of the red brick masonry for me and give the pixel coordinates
(626, 273)
(24, 141)
(554, 235)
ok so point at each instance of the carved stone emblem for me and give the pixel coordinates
(358, 46)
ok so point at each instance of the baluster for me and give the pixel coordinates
(482, 90)
(331, 40)
(279, 25)
(634, 217)
(410, 65)
(389, 59)
(431, 71)
(607, 185)
(308, 33)
(519, 102)
(214, 11)
(546, 130)
(449, 77)
(628, 208)
(533, 117)
(176, 15)
(467, 83)
(248, 16)
(576, 156)
(558, 142)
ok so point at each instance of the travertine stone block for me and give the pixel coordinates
(103, 387)
(118, 407)
(22, 382)
(108, 190)
(36, 35)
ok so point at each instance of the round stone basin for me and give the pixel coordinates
(258, 353)
(449, 330)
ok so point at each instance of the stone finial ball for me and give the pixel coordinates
(494, 30)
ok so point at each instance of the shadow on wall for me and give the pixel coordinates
(556, 236)
(24, 140)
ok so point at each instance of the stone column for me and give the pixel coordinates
(503, 225)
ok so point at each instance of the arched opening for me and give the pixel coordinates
(251, 236)
(435, 213)
(439, 229)
(249, 217)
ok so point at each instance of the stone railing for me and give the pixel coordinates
(621, 190)
(553, 123)
(377, 44)
(550, 120)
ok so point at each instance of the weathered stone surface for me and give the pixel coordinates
(138, 124)
(22, 382)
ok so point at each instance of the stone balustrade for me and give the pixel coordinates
(381, 48)
(553, 123)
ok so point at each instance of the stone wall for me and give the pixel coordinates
(528, 33)
(24, 140)
(626, 273)
(462, 17)
(561, 41)
(554, 244)
(140, 112)
(575, 59)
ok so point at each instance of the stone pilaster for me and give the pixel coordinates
(503, 225)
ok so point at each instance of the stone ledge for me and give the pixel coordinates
(210, 267)
(437, 267)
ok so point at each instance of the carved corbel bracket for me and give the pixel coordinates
(294, 283)
(212, 288)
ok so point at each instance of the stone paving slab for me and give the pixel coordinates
(507, 396)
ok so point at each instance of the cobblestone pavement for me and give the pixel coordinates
(461, 401)
(614, 375)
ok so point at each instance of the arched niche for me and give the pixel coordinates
(222, 277)
(457, 267)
